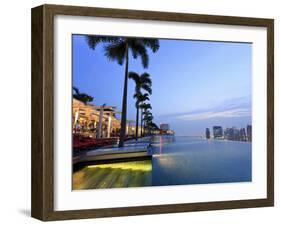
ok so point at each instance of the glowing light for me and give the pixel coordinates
(137, 165)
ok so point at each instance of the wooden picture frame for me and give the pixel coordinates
(43, 112)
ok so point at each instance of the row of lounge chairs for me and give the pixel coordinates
(87, 143)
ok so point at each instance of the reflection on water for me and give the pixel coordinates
(176, 161)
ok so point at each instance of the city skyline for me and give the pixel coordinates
(230, 133)
(191, 90)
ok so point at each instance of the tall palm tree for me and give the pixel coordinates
(142, 82)
(118, 49)
(140, 98)
(148, 117)
(85, 98)
(144, 107)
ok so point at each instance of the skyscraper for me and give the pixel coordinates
(243, 136)
(218, 132)
(249, 133)
(208, 134)
(229, 134)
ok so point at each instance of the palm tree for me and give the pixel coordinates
(144, 107)
(85, 98)
(142, 81)
(140, 98)
(148, 117)
(118, 49)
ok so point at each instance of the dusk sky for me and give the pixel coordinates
(195, 84)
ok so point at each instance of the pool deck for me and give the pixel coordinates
(132, 151)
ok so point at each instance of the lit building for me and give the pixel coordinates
(94, 121)
(164, 127)
(131, 128)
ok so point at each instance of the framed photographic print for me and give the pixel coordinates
(141, 112)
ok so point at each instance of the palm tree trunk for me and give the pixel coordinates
(144, 128)
(141, 124)
(124, 102)
(137, 124)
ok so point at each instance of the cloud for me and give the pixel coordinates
(231, 108)
(212, 114)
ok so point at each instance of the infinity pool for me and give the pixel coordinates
(195, 161)
(175, 161)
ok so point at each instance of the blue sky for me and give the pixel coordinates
(196, 84)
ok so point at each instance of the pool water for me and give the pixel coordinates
(175, 161)
(197, 161)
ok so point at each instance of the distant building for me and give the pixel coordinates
(164, 127)
(235, 134)
(94, 121)
(249, 133)
(243, 136)
(232, 134)
(229, 134)
(218, 132)
(208, 134)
